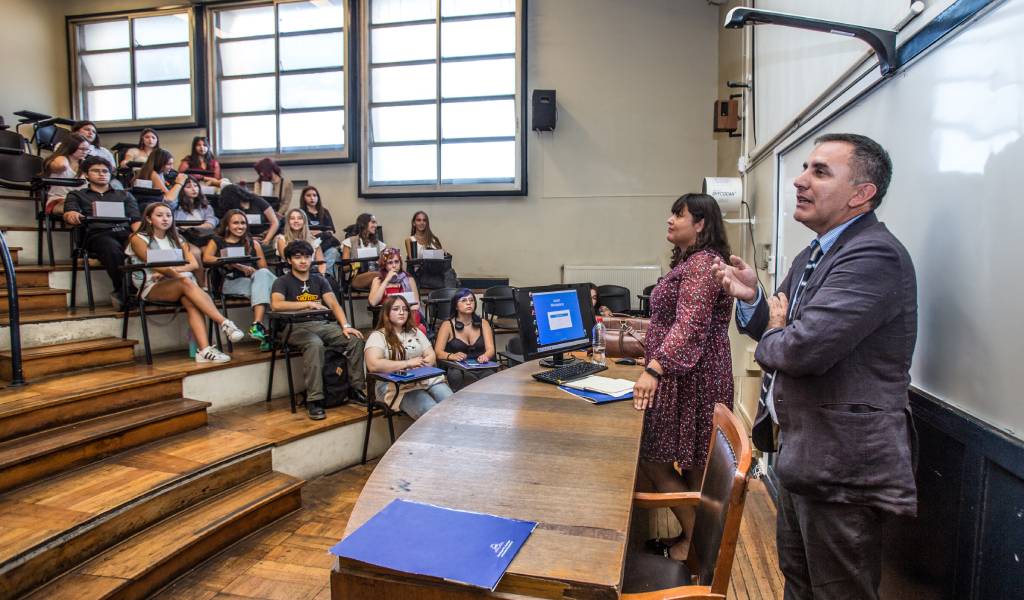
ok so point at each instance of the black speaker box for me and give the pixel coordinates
(544, 112)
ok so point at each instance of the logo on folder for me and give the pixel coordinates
(501, 548)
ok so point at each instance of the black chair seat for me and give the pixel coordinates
(647, 572)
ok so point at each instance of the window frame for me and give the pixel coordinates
(305, 157)
(196, 48)
(518, 187)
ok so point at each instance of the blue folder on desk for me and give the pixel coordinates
(472, 364)
(460, 546)
(595, 397)
(410, 374)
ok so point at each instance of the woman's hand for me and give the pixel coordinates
(643, 391)
(246, 270)
(457, 356)
(180, 178)
(414, 363)
(391, 275)
(483, 358)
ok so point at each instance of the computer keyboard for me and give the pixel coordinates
(570, 372)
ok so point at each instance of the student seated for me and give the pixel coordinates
(465, 337)
(318, 216)
(87, 129)
(297, 228)
(397, 345)
(432, 274)
(600, 310)
(201, 158)
(106, 241)
(303, 289)
(268, 171)
(159, 171)
(364, 235)
(149, 141)
(392, 279)
(421, 235)
(64, 163)
(177, 284)
(243, 279)
(193, 206)
(236, 197)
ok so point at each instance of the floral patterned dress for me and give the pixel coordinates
(689, 337)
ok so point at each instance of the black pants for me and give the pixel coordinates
(108, 247)
(460, 378)
(828, 550)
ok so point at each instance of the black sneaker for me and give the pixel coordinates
(316, 410)
(357, 396)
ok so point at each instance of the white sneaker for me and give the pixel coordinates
(232, 331)
(211, 354)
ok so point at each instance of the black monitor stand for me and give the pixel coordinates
(558, 360)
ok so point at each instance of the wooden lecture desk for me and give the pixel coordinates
(511, 446)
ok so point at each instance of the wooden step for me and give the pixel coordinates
(74, 398)
(36, 299)
(38, 277)
(73, 356)
(31, 457)
(58, 523)
(14, 253)
(153, 558)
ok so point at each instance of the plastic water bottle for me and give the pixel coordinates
(597, 342)
(193, 347)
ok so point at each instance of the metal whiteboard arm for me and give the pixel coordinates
(882, 41)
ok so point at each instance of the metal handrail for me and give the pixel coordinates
(13, 314)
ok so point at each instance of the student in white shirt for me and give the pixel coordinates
(365, 237)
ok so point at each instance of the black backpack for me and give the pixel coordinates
(335, 373)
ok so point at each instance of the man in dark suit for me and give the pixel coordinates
(835, 344)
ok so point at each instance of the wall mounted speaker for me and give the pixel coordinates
(545, 114)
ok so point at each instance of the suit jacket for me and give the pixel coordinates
(842, 372)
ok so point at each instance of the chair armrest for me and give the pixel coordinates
(189, 222)
(657, 500)
(107, 220)
(131, 268)
(71, 182)
(686, 591)
(235, 260)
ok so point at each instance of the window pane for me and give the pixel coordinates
(162, 65)
(395, 11)
(163, 101)
(312, 51)
(106, 69)
(247, 95)
(307, 16)
(478, 119)
(392, 84)
(313, 129)
(246, 58)
(165, 29)
(103, 36)
(478, 78)
(108, 105)
(404, 164)
(248, 133)
(316, 89)
(468, 162)
(404, 123)
(473, 38)
(393, 44)
(454, 8)
(245, 22)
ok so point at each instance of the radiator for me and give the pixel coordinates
(636, 278)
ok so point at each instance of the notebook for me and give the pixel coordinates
(410, 374)
(472, 364)
(595, 397)
(604, 385)
(455, 545)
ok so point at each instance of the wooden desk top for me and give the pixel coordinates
(511, 446)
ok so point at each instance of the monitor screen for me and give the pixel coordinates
(554, 319)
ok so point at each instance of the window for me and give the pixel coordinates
(278, 80)
(442, 97)
(134, 69)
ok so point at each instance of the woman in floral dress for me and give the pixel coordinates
(689, 364)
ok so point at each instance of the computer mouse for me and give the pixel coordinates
(626, 361)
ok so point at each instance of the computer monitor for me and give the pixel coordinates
(554, 319)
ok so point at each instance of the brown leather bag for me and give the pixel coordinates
(624, 336)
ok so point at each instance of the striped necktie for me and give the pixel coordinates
(769, 376)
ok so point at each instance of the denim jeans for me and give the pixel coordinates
(416, 403)
(257, 287)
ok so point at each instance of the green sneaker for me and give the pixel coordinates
(266, 346)
(257, 331)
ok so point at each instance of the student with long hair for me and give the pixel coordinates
(87, 129)
(397, 345)
(64, 163)
(176, 284)
(193, 206)
(391, 279)
(465, 336)
(201, 158)
(421, 235)
(267, 170)
(297, 228)
(364, 236)
(149, 140)
(159, 171)
(318, 215)
(242, 279)
(600, 310)
(434, 274)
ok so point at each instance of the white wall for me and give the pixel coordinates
(635, 84)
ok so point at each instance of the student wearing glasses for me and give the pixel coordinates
(392, 280)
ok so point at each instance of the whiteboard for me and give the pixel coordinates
(953, 124)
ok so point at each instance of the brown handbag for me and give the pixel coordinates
(624, 336)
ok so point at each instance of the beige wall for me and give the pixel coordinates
(33, 72)
(635, 81)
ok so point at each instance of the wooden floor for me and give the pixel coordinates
(289, 561)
